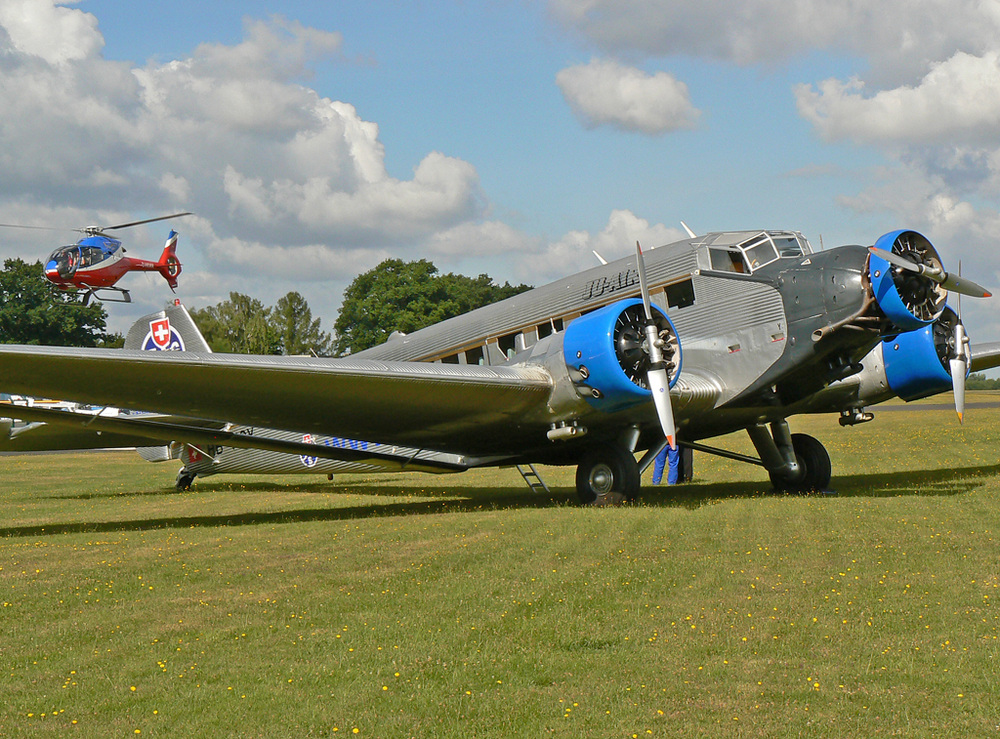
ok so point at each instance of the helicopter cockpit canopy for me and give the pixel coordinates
(68, 259)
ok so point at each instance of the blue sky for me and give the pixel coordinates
(314, 139)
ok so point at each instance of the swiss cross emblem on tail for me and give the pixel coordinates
(162, 337)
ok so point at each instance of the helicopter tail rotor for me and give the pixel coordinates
(169, 265)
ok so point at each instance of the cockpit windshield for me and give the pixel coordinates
(67, 260)
(747, 252)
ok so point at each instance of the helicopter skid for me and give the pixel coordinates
(114, 295)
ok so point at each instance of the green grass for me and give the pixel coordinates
(418, 605)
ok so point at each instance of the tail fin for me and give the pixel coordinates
(169, 266)
(171, 329)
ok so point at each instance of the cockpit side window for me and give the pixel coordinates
(760, 253)
(727, 260)
(788, 246)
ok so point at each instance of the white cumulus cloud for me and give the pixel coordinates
(606, 92)
(957, 101)
(574, 251)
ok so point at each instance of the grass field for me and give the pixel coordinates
(418, 605)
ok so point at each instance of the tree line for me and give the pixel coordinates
(394, 296)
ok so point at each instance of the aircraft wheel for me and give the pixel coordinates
(184, 479)
(607, 476)
(815, 460)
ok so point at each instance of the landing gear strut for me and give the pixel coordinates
(607, 476)
(815, 463)
(184, 479)
(795, 462)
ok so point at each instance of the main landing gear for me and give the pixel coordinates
(607, 476)
(185, 479)
(796, 463)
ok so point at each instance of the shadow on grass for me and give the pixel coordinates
(944, 482)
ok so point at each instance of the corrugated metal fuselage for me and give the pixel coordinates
(754, 345)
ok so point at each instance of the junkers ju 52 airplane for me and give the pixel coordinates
(727, 331)
(95, 263)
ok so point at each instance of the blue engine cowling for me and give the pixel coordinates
(917, 362)
(910, 301)
(603, 351)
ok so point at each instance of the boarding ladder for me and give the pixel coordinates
(530, 475)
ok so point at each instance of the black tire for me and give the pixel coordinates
(607, 476)
(812, 455)
(184, 479)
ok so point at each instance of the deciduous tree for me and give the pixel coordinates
(298, 332)
(406, 296)
(34, 311)
(241, 325)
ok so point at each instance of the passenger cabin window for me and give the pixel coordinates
(550, 327)
(507, 345)
(474, 356)
(680, 294)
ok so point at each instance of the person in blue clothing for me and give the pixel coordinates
(671, 456)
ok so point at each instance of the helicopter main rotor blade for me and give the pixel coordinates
(37, 228)
(139, 223)
(936, 274)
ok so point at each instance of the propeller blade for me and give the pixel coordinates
(640, 265)
(659, 384)
(963, 286)
(959, 369)
(948, 282)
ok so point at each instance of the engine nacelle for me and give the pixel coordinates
(917, 362)
(909, 300)
(605, 357)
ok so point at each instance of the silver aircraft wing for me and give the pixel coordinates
(985, 356)
(449, 408)
(47, 437)
(80, 430)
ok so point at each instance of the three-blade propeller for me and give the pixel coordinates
(659, 382)
(955, 283)
(959, 359)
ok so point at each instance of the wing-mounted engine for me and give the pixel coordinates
(918, 363)
(905, 293)
(607, 354)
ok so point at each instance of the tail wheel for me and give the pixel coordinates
(607, 476)
(184, 479)
(815, 461)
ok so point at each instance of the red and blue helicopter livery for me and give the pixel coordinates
(97, 261)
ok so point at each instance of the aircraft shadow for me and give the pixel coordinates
(944, 482)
